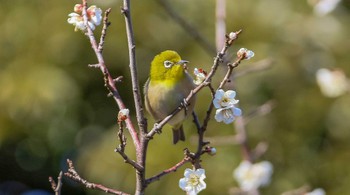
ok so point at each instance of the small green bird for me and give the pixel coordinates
(166, 89)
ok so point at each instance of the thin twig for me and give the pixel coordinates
(262, 110)
(128, 160)
(73, 174)
(255, 67)
(167, 171)
(106, 23)
(121, 148)
(133, 68)
(229, 71)
(110, 84)
(56, 187)
(141, 150)
(209, 48)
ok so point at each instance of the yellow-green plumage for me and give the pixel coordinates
(169, 84)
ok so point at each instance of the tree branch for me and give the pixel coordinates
(106, 23)
(121, 148)
(56, 187)
(73, 174)
(109, 82)
(209, 48)
(133, 68)
(255, 67)
(167, 171)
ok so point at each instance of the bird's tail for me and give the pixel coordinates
(178, 134)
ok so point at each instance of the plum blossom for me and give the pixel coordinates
(200, 75)
(252, 176)
(225, 102)
(317, 191)
(76, 18)
(224, 99)
(193, 182)
(245, 53)
(227, 114)
(332, 83)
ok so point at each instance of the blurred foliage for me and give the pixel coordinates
(53, 107)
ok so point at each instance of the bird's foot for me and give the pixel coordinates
(157, 128)
(185, 105)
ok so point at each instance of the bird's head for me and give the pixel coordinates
(168, 66)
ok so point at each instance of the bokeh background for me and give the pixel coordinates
(53, 107)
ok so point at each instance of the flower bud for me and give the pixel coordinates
(232, 35)
(123, 114)
(78, 8)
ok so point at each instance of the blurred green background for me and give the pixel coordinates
(53, 107)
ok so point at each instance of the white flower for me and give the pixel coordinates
(224, 99)
(317, 191)
(227, 114)
(77, 21)
(123, 114)
(245, 53)
(251, 176)
(94, 15)
(193, 182)
(225, 104)
(323, 7)
(200, 76)
(332, 83)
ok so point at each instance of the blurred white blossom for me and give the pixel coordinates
(332, 83)
(94, 15)
(317, 191)
(193, 182)
(323, 7)
(247, 54)
(200, 76)
(252, 176)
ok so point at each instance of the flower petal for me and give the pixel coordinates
(216, 103)
(200, 173)
(237, 111)
(230, 94)
(188, 172)
(182, 183)
(219, 94)
(219, 116)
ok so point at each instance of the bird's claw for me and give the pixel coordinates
(157, 128)
(185, 105)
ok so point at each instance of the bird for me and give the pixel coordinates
(166, 89)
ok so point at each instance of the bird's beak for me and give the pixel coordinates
(183, 63)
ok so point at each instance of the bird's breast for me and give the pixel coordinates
(162, 98)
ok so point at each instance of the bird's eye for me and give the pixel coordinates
(167, 64)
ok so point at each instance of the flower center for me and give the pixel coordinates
(193, 180)
(228, 113)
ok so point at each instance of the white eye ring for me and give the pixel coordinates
(168, 64)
